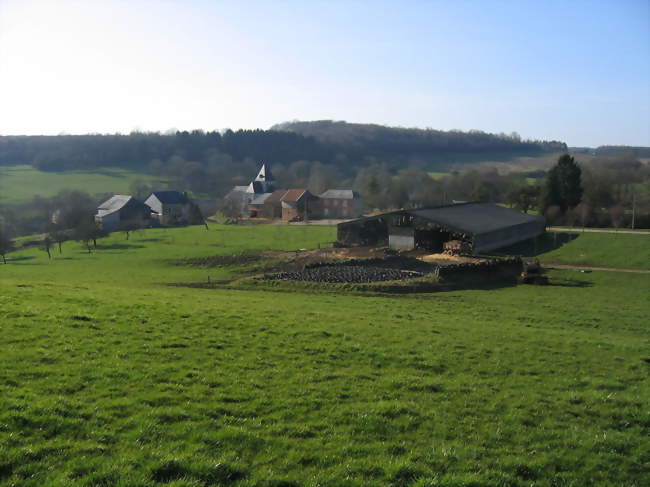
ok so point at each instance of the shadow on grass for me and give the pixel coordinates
(569, 283)
(19, 259)
(543, 244)
(150, 239)
(120, 246)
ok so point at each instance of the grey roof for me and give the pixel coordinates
(340, 194)
(116, 203)
(171, 197)
(259, 200)
(473, 218)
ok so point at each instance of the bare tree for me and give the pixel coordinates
(584, 212)
(616, 214)
(551, 214)
(234, 205)
(47, 244)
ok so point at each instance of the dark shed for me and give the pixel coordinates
(485, 226)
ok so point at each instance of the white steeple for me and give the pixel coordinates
(263, 183)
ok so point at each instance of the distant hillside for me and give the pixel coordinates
(614, 150)
(362, 140)
(342, 144)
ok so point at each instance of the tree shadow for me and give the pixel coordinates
(18, 259)
(547, 242)
(150, 239)
(569, 283)
(119, 246)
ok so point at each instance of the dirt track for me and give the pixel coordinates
(597, 230)
(588, 268)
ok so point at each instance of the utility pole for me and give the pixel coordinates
(306, 218)
(633, 208)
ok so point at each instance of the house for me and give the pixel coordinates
(170, 207)
(123, 211)
(483, 226)
(299, 204)
(341, 203)
(267, 205)
(287, 204)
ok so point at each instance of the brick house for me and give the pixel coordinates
(341, 203)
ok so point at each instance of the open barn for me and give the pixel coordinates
(483, 226)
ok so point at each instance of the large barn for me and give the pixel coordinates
(484, 226)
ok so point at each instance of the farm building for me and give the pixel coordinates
(484, 226)
(341, 203)
(122, 210)
(287, 204)
(170, 207)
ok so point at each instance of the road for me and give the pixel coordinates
(589, 268)
(597, 230)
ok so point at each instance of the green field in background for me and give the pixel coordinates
(19, 184)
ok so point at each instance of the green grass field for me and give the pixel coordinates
(589, 249)
(19, 184)
(110, 377)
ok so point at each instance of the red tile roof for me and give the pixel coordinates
(293, 195)
(276, 196)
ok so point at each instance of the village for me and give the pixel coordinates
(440, 240)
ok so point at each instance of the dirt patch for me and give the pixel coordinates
(345, 274)
(445, 259)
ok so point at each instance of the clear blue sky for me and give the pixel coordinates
(577, 71)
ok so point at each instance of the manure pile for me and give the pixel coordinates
(345, 273)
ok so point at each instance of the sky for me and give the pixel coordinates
(575, 71)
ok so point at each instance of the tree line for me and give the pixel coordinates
(346, 146)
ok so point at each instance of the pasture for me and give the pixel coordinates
(108, 376)
(589, 249)
(19, 184)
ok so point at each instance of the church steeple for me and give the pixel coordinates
(263, 183)
(265, 174)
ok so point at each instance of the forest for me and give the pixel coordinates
(340, 144)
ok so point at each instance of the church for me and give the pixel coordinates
(261, 199)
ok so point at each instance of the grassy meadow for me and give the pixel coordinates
(19, 184)
(108, 376)
(589, 249)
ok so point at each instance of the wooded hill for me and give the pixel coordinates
(342, 144)
(363, 140)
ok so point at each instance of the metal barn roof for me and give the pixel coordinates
(475, 218)
(471, 218)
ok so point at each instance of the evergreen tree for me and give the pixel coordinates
(564, 184)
